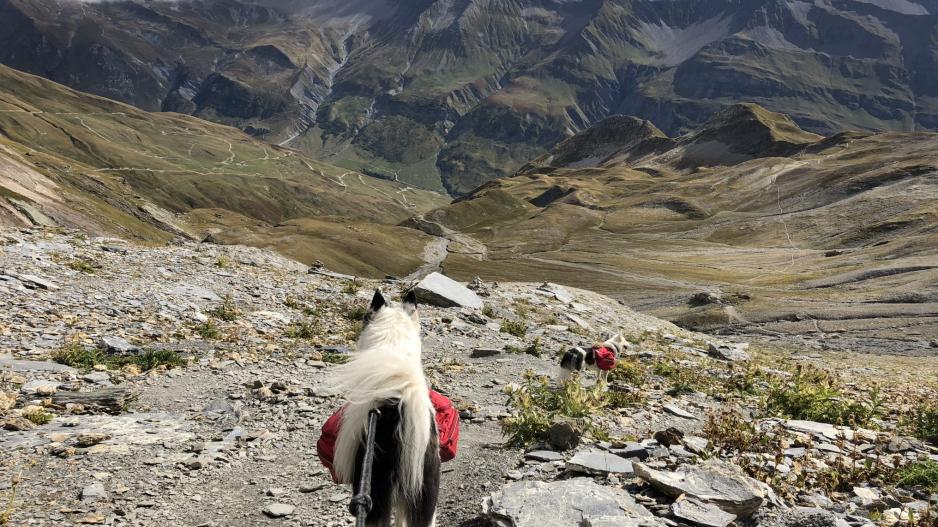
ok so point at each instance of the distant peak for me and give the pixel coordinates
(743, 123)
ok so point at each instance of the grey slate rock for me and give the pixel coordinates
(730, 352)
(563, 435)
(195, 292)
(479, 353)
(117, 345)
(700, 512)
(279, 510)
(680, 412)
(598, 462)
(572, 502)
(544, 455)
(93, 492)
(439, 290)
(631, 450)
(715, 482)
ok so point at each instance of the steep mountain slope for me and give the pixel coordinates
(790, 227)
(450, 95)
(76, 160)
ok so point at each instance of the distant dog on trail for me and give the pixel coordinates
(387, 374)
(600, 357)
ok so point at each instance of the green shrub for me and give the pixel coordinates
(518, 328)
(81, 265)
(488, 311)
(336, 358)
(38, 416)
(208, 330)
(919, 474)
(629, 372)
(77, 356)
(815, 395)
(227, 310)
(922, 422)
(351, 287)
(533, 349)
(536, 404)
(304, 330)
(74, 354)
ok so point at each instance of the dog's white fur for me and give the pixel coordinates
(387, 366)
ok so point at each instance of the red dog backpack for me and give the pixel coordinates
(447, 424)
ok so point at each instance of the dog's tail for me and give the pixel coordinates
(389, 381)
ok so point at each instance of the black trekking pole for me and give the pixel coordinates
(361, 503)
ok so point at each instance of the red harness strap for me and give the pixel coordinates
(447, 424)
(605, 358)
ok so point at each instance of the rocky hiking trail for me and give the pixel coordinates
(199, 380)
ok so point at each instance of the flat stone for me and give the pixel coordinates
(279, 510)
(479, 353)
(829, 431)
(696, 444)
(730, 352)
(700, 512)
(8, 363)
(93, 492)
(557, 291)
(680, 412)
(599, 462)
(194, 292)
(715, 482)
(867, 495)
(117, 345)
(439, 290)
(572, 502)
(39, 387)
(32, 281)
(631, 450)
(97, 377)
(544, 455)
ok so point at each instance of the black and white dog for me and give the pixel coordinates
(600, 358)
(387, 374)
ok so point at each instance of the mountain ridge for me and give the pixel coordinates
(451, 95)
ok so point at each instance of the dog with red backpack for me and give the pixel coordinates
(390, 437)
(600, 357)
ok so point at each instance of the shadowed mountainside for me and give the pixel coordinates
(449, 95)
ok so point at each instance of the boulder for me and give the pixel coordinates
(563, 435)
(577, 501)
(439, 290)
(597, 462)
(728, 351)
(700, 512)
(479, 353)
(631, 450)
(714, 482)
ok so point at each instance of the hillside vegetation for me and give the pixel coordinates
(74, 160)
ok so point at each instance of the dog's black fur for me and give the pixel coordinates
(420, 512)
(575, 359)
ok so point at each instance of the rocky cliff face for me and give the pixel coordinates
(450, 95)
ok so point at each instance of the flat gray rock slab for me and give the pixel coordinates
(701, 513)
(557, 291)
(126, 431)
(195, 292)
(729, 352)
(572, 502)
(439, 290)
(544, 455)
(279, 510)
(599, 462)
(828, 431)
(8, 363)
(714, 482)
(678, 411)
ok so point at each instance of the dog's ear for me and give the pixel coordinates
(377, 301)
(410, 303)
